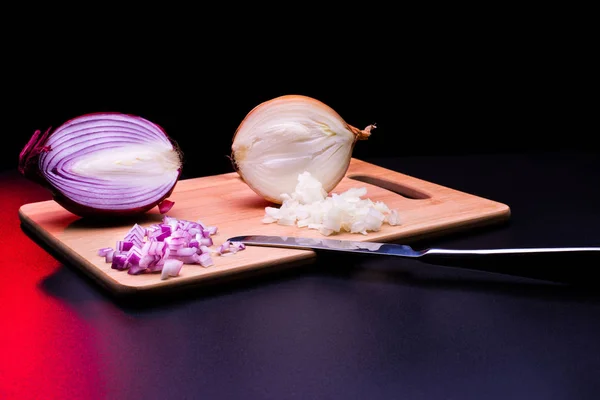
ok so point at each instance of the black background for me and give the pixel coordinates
(430, 89)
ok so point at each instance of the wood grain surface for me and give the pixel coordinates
(226, 201)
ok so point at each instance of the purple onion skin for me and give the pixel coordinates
(29, 168)
(89, 212)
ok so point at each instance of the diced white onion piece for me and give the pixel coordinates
(308, 207)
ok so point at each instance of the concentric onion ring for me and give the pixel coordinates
(103, 164)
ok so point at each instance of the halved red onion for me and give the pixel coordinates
(103, 164)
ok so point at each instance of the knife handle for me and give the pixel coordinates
(573, 265)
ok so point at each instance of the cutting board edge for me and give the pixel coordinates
(228, 275)
(58, 251)
(498, 218)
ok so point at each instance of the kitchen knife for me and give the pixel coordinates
(535, 262)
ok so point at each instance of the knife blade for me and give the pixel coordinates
(533, 262)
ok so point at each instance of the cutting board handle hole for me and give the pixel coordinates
(404, 191)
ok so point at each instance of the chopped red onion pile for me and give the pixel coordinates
(103, 164)
(165, 247)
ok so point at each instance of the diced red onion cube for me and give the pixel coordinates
(133, 256)
(124, 245)
(194, 231)
(193, 259)
(136, 231)
(135, 269)
(109, 256)
(206, 241)
(205, 260)
(104, 251)
(186, 251)
(118, 261)
(166, 228)
(224, 247)
(147, 260)
(161, 236)
(176, 244)
(156, 266)
(171, 268)
(179, 234)
(238, 245)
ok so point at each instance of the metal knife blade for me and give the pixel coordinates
(328, 244)
(529, 262)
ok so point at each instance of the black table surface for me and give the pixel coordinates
(343, 327)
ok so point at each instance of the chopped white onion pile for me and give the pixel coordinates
(166, 247)
(309, 206)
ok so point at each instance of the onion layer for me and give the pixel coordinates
(289, 135)
(105, 164)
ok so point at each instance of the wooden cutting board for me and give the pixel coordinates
(226, 201)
